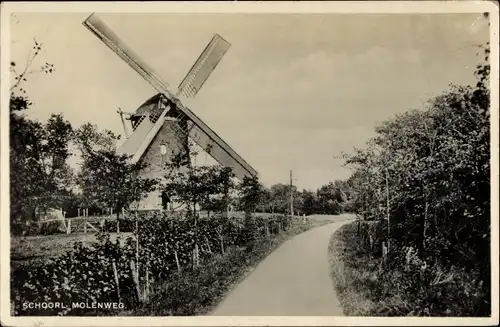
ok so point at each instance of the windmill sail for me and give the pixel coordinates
(150, 136)
(98, 28)
(134, 141)
(203, 66)
(214, 145)
(223, 154)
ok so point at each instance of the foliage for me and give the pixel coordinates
(110, 180)
(251, 194)
(208, 186)
(365, 287)
(330, 198)
(89, 139)
(39, 175)
(197, 291)
(189, 186)
(161, 247)
(426, 177)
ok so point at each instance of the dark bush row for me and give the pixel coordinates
(403, 284)
(128, 269)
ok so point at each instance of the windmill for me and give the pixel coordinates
(162, 125)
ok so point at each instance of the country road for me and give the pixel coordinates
(294, 280)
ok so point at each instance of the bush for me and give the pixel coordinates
(160, 248)
(34, 228)
(404, 285)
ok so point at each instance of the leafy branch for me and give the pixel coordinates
(46, 68)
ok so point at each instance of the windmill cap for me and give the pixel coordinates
(148, 106)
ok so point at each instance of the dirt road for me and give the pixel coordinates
(294, 280)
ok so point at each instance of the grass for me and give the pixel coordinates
(34, 250)
(352, 271)
(359, 278)
(366, 288)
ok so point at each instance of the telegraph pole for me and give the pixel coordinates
(291, 194)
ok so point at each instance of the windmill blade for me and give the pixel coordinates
(203, 67)
(214, 146)
(144, 133)
(220, 150)
(104, 33)
(135, 140)
(222, 153)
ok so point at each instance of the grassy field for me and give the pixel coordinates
(38, 249)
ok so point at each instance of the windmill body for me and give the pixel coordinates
(162, 126)
(170, 140)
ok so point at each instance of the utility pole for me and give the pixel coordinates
(291, 194)
(388, 210)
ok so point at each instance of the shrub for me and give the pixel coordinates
(30, 228)
(159, 249)
(403, 285)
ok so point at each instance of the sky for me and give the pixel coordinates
(292, 92)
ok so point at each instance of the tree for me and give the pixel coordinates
(251, 194)
(309, 204)
(107, 179)
(280, 197)
(209, 187)
(329, 198)
(266, 203)
(89, 139)
(426, 173)
(205, 186)
(217, 196)
(40, 177)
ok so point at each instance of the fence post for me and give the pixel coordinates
(135, 279)
(222, 243)
(146, 286)
(208, 245)
(177, 261)
(385, 251)
(115, 271)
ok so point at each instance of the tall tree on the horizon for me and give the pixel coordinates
(40, 177)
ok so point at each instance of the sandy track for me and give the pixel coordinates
(294, 280)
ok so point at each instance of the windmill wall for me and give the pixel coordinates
(175, 142)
